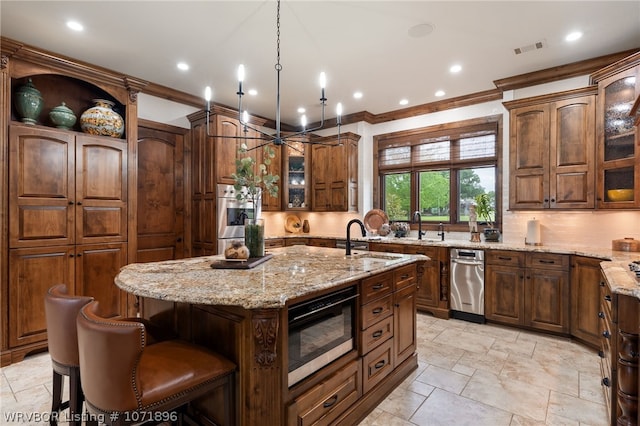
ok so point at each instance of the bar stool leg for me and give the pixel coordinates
(56, 402)
(75, 396)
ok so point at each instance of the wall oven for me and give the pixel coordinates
(231, 214)
(320, 331)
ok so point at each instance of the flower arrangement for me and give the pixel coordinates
(255, 181)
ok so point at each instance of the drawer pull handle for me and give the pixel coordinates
(329, 402)
(601, 354)
(600, 314)
(378, 286)
(377, 334)
(607, 298)
(606, 334)
(606, 382)
(376, 311)
(601, 283)
(504, 258)
(404, 276)
(547, 262)
(380, 364)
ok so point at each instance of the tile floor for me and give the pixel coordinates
(468, 374)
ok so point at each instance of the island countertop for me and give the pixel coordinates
(292, 272)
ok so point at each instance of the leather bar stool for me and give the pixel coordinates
(61, 311)
(124, 379)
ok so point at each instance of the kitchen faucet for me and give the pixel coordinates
(364, 234)
(419, 216)
(441, 231)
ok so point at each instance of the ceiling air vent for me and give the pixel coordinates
(529, 47)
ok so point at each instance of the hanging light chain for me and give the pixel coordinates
(278, 65)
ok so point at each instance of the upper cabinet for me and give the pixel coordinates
(618, 182)
(334, 174)
(295, 179)
(552, 151)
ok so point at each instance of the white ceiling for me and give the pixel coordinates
(361, 45)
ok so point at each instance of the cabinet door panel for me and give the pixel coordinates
(585, 299)
(404, 323)
(547, 300)
(504, 297)
(96, 267)
(41, 187)
(101, 190)
(32, 271)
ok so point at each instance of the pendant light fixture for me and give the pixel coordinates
(277, 138)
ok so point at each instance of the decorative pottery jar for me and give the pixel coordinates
(28, 103)
(62, 117)
(102, 120)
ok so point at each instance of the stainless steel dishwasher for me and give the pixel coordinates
(467, 285)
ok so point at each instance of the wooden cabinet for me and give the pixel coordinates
(67, 224)
(552, 151)
(322, 242)
(325, 402)
(585, 299)
(617, 137)
(295, 178)
(619, 354)
(432, 294)
(270, 202)
(404, 313)
(529, 290)
(334, 174)
(387, 247)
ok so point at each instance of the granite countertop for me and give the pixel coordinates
(292, 272)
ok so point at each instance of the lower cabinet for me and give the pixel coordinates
(86, 270)
(585, 299)
(323, 403)
(528, 289)
(619, 324)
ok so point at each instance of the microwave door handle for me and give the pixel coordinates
(325, 307)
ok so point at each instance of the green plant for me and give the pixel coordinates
(255, 180)
(484, 209)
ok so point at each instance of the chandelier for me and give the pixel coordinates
(277, 138)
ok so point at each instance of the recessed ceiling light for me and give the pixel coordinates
(573, 36)
(404, 101)
(183, 66)
(253, 92)
(455, 68)
(301, 110)
(357, 95)
(75, 25)
(439, 93)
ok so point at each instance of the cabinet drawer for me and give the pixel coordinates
(323, 403)
(505, 258)
(548, 261)
(322, 242)
(376, 334)
(404, 276)
(377, 286)
(377, 364)
(273, 243)
(431, 252)
(376, 310)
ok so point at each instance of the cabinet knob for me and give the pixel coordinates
(606, 382)
(70, 203)
(601, 283)
(607, 298)
(601, 354)
(553, 200)
(377, 334)
(601, 315)
(606, 334)
(377, 310)
(79, 203)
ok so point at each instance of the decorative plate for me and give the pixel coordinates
(292, 224)
(374, 219)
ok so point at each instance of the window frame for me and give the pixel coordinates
(453, 130)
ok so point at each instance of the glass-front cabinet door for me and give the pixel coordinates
(618, 146)
(296, 178)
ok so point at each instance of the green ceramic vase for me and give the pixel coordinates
(62, 117)
(28, 102)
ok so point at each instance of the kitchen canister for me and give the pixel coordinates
(102, 120)
(625, 244)
(534, 235)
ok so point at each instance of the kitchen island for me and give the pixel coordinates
(243, 314)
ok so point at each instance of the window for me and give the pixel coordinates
(439, 171)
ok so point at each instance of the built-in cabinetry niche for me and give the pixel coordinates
(67, 209)
(78, 95)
